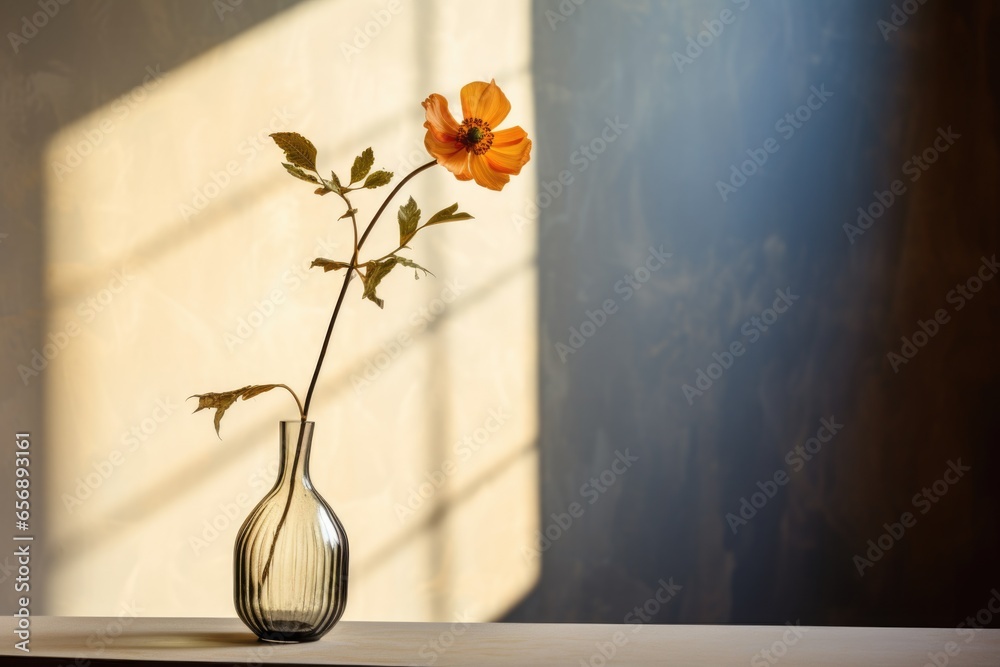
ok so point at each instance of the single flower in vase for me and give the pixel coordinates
(291, 553)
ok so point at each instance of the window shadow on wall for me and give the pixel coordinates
(58, 69)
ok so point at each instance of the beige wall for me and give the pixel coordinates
(150, 295)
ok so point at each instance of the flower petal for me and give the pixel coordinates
(511, 150)
(486, 177)
(452, 156)
(485, 101)
(510, 136)
(439, 119)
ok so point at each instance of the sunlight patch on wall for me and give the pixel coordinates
(178, 264)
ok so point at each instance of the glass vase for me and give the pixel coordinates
(291, 553)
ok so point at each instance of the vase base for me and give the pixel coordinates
(290, 632)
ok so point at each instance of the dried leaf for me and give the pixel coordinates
(298, 150)
(409, 216)
(413, 265)
(329, 264)
(256, 390)
(322, 191)
(362, 165)
(448, 215)
(350, 212)
(222, 401)
(377, 179)
(334, 183)
(374, 273)
(299, 173)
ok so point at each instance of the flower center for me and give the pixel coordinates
(475, 135)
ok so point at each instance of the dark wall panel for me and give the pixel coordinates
(676, 120)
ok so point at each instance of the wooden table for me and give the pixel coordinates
(74, 641)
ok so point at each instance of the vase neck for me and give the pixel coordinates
(295, 469)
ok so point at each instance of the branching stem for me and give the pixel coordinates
(304, 410)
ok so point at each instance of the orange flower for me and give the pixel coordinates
(473, 149)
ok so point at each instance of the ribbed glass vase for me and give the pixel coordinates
(291, 553)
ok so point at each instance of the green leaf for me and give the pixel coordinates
(222, 401)
(409, 217)
(298, 150)
(350, 212)
(300, 173)
(413, 265)
(362, 165)
(329, 264)
(447, 215)
(375, 271)
(377, 179)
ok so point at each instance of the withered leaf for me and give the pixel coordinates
(298, 150)
(257, 389)
(448, 215)
(221, 402)
(409, 216)
(350, 212)
(329, 264)
(377, 179)
(300, 173)
(375, 271)
(334, 183)
(362, 165)
(413, 265)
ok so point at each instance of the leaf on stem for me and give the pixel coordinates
(334, 183)
(377, 179)
(298, 150)
(375, 271)
(409, 216)
(300, 173)
(362, 165)
(329, 264)
(448, 215)
(350, 212)
(413, 265)
(222, 401)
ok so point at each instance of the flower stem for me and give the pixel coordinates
(295, 396)
(347, 280)
(288, 503)
(304, 410)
